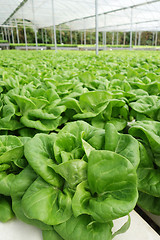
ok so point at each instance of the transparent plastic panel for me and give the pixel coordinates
(7, 7)
(79, 14)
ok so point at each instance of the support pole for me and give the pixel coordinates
(156, 39)
(131, 28)
(60, 32)
(76, 37)
(12, 33)
(96, 25)
(139, 39)
(42, 35)
(113, 38)
(5, 33)
(52, 35)
(71, 36)
(135, 43)
(105, 23)
(84, 27)
(17, 31)
(35, 30)
(117, 38)
(8, 35)
(153, 39)
(81, 38)
(25, 34)
(90, 38)
(46, 35)
(54, 26)
(105, 40)
(85, 37)
(124, 38)
(2, 34)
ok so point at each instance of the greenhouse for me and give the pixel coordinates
(79, 119)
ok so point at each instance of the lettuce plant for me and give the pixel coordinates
(11, 163)
(76, 181)
(149, 167)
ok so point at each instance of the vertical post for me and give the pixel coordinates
(12, 32)
(71, 36)
(153, 39)
(96, 25)
(84, 27)
(35, 30)
(76, 37)
(54, 26)
(156, 39)
(17, 31)
(135, 43)
(42, 35)
(124, 38)
(84, 36)
(52, 35)
(25, 34)
(60, 32)
(81, 38)
(5, 32)
(90, 38)
(46, 35)
(117, 38)
(113, 38)
(105, 23)
(2, 34)
(131, 22)
(105, 40)
(139, 39)
(8, 35)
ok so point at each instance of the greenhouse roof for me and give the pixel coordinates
(115, 15)
(7, 7)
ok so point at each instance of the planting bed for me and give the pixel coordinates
(79, 140)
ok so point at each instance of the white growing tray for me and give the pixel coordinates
(139, 230)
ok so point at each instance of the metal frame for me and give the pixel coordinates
(60, 32)
(117, 38)
(52, 35)
(135, 42)
(139, 38)
(12, 34)
(71, 36)
(8, 35)
(112, 11)
(156, 38)
(46, 35)
(17, 31)
(96, 25)
(5, 33)
(42, 35)
(112, 38)
(54, 26)
(34, 26)
(124, 38)
(131, 28)
(25, 34)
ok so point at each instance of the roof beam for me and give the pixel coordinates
(112, 11)
(105, 28)
(126, 24)
(19, 6)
